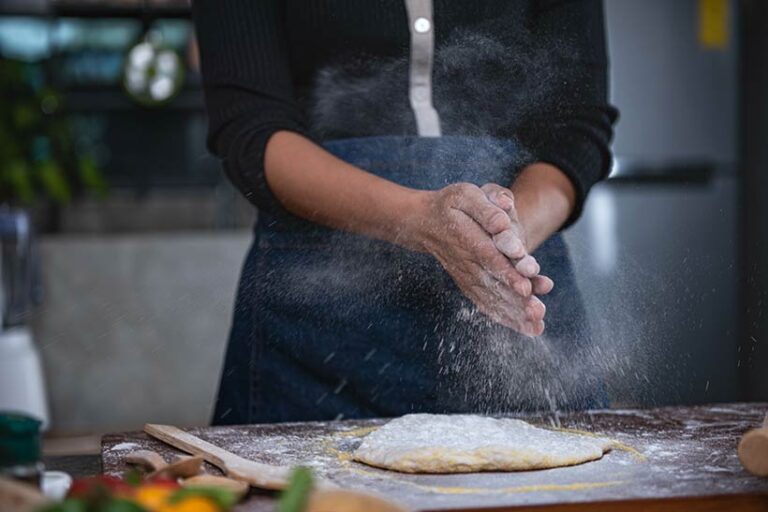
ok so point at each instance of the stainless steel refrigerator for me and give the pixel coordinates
(657, 247)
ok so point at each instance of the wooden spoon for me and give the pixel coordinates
(181, 468)
(146, 459)
(240, 489)
(263, 476)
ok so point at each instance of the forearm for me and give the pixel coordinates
(313, 184)
(455, 224)
(544, 199)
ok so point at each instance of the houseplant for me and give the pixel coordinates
(39, 160)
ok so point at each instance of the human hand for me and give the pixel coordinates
(456, 225)
(512, 241)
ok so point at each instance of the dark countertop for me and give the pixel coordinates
(662, 455)
(77, 466)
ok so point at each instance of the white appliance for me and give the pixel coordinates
(22, 385)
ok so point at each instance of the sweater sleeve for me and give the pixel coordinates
(574, 135)
(247, 85)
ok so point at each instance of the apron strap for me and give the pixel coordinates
(420, 23)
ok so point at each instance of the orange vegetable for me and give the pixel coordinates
(191, 504)
(153, 496)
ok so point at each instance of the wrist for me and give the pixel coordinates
(545, 198)
(412, 218)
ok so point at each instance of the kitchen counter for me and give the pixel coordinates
(663, 459)
(78, 466)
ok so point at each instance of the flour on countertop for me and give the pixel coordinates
(125, 446)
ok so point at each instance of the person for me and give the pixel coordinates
(395, 239)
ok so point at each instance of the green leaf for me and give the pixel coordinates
(52, 179)
(294, 497)
(133, 477)
(24, 115)
(91, 176)
(70, 505)
(18, 179)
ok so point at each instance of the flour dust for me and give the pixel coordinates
(489, 90)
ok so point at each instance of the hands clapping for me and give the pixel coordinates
(475, 233)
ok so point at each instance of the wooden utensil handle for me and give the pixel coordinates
(192, 444)
(146, 458)
(753, 451)
(257, 474)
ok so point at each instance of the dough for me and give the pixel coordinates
(436, 443)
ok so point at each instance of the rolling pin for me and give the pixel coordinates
(753, 450)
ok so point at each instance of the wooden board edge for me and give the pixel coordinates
(714, 503)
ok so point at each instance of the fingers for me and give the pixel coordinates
(507, 274)
(494, 262)
(501, 197)
(484, 206)
(510, 244)
(520, 284)
(474, 202)
(529, 321)
(542, 285)
(482, 250)
(489, 259)
(503, 305)
(535, 309)
(528, 266)
(533, 330)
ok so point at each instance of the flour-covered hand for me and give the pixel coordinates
(512, 241)
(457, 225)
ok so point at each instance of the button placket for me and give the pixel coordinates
(420, 22)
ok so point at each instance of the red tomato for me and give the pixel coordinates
(98, 485)
(162, 481)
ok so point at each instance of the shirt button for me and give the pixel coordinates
(422, 25)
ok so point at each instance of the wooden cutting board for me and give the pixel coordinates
(665, 454)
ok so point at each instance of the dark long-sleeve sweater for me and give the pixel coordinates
(533, 71)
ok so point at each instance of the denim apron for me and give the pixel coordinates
(331, 325)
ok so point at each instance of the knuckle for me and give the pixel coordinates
(460, 188)
(450, 191)
(497, 220)
(457, 193)
(489, 187)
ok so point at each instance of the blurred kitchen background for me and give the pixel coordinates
(125, 293)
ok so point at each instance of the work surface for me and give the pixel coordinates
(677, 452)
